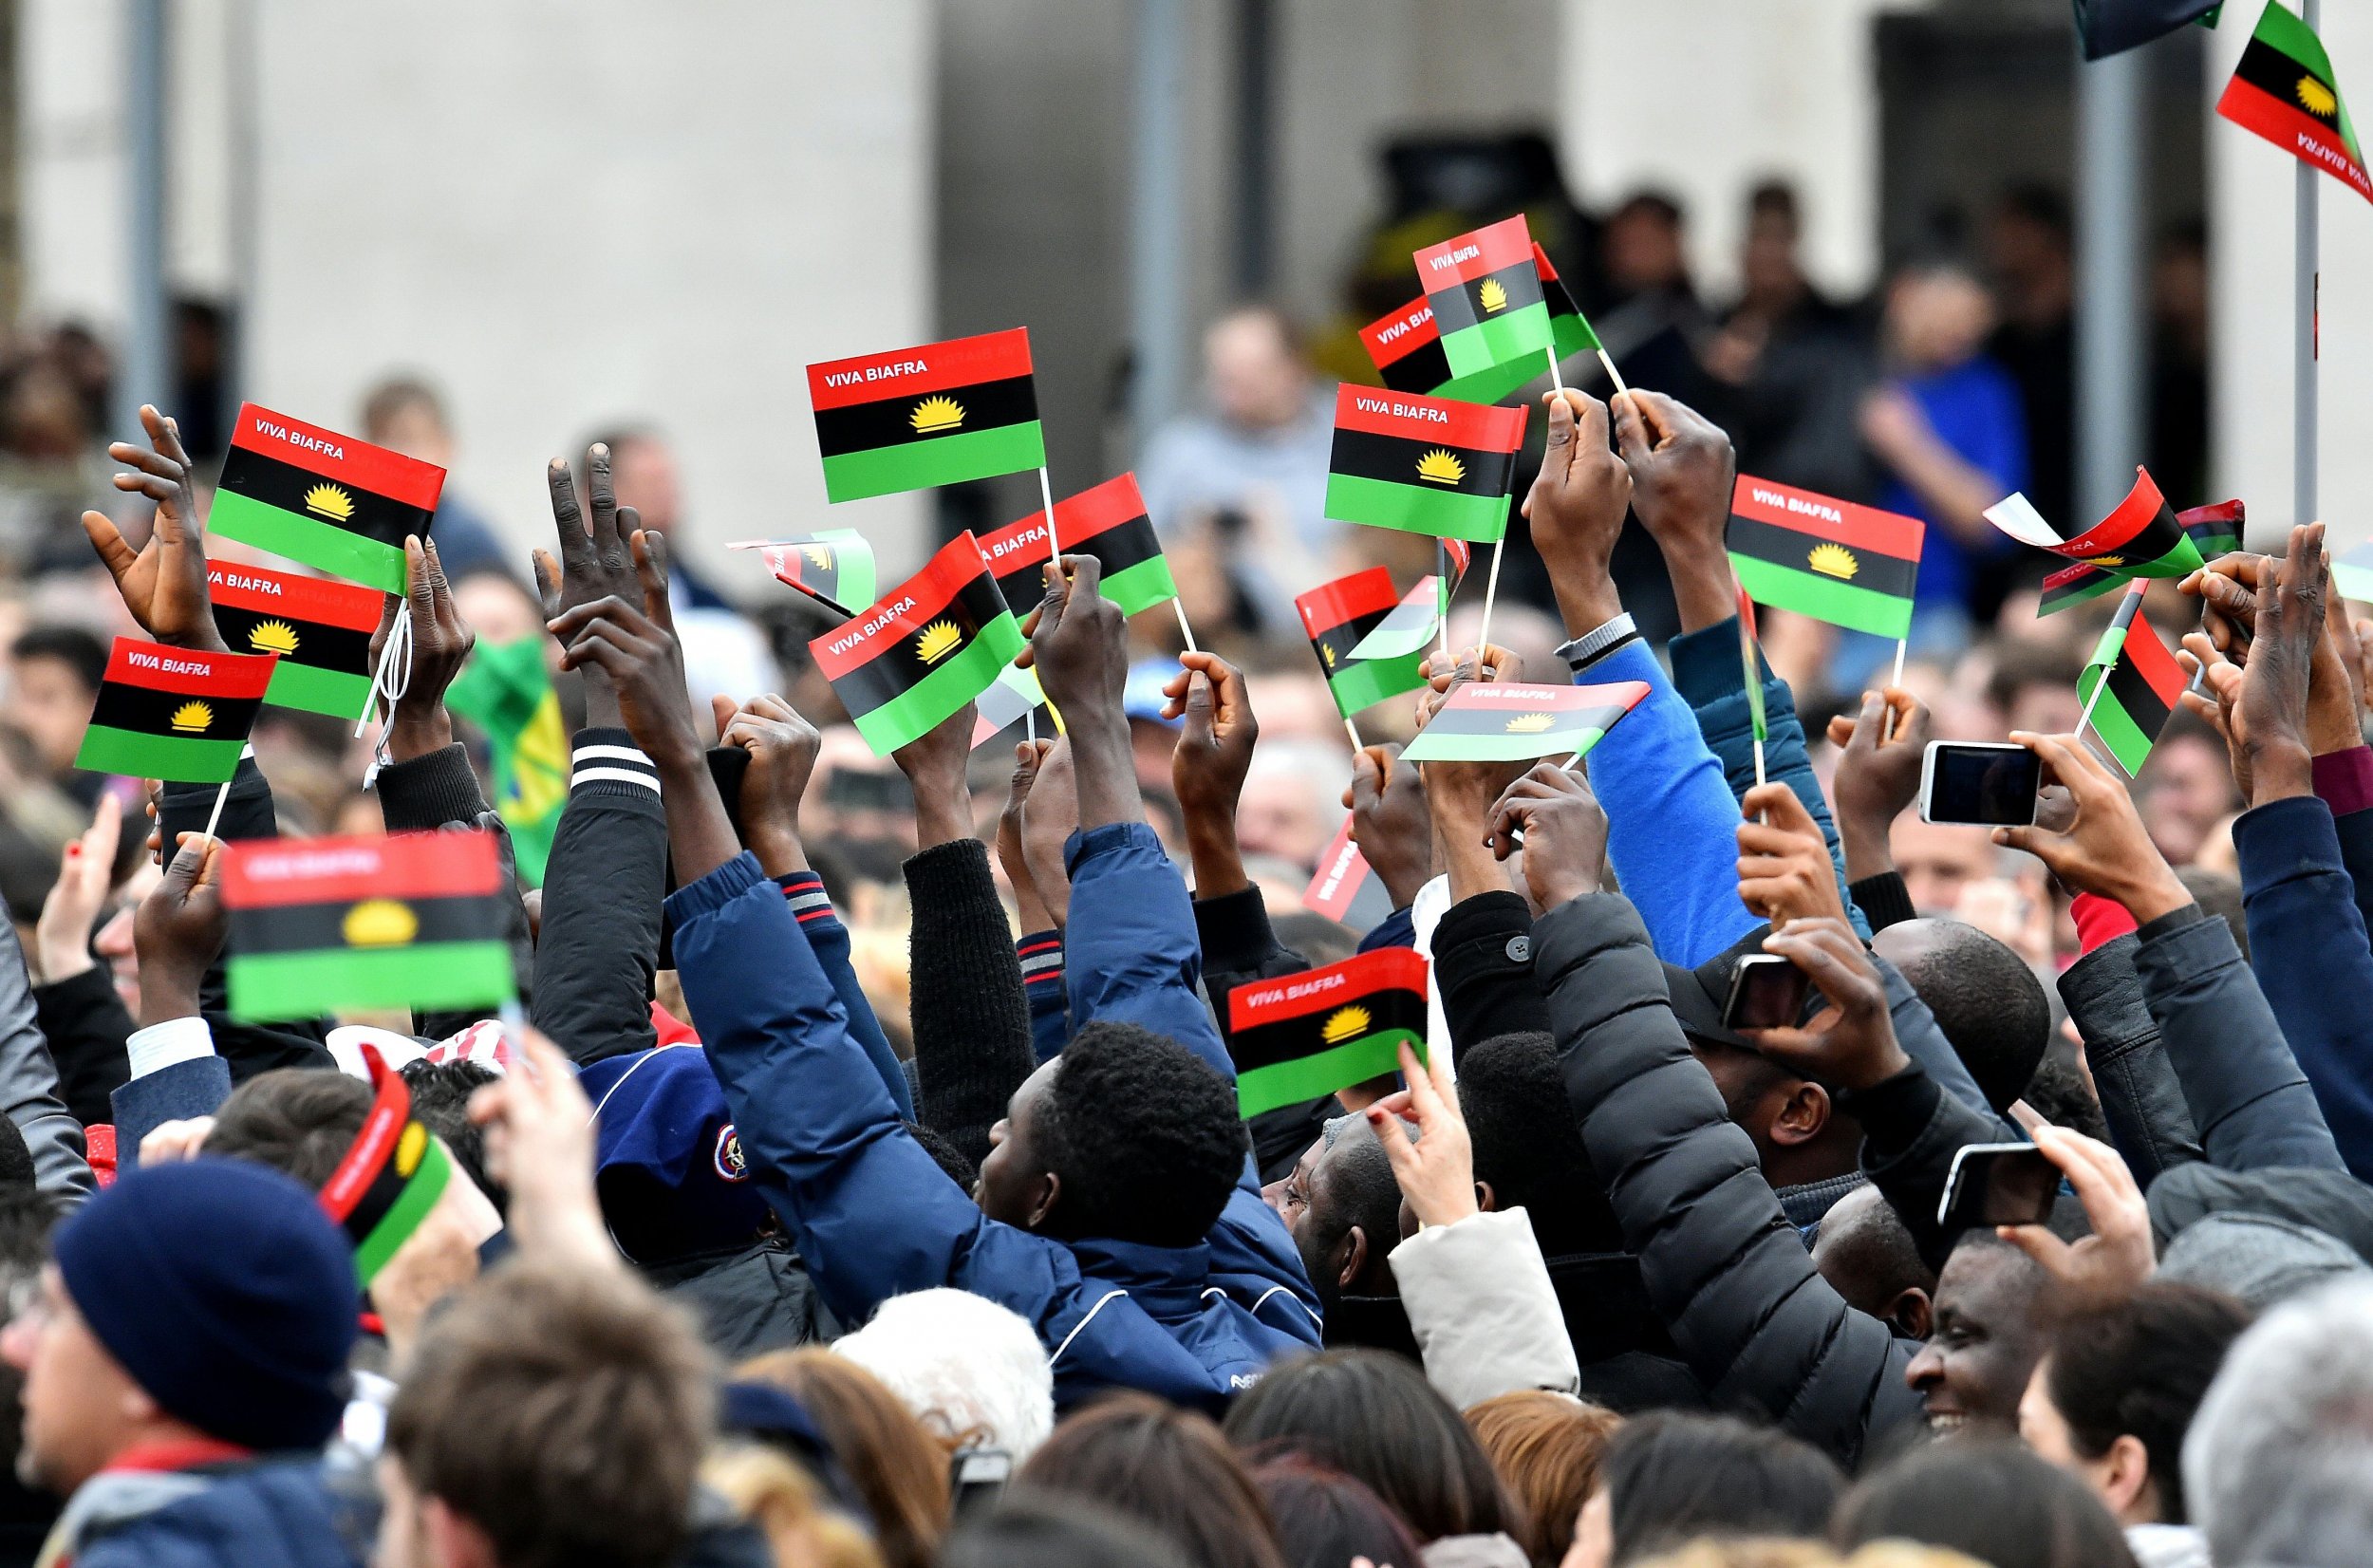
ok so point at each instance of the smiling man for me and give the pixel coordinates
(1990, 1327)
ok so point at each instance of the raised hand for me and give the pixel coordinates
(1682, 471)
(1208, 765)
(2278, 681)
(1878, 776)
(539, 1145)
(1079, 645)
(2105, 848)
(1391, 821)
(937, 763)
(593, 565)
(782, 748)
(2214, 695)
(1784, 869)
(163, 583)
(178, 929)
(1029, 907)
(1563, 832)
(1048, 813)
(86, 873)
(442, 642)
(1437, 1171)
(1462, 795)
(2117, 1256)
(1851, 1043)
(1577, 507)
(635, 648)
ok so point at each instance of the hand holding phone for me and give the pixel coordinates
(1998, 1185)
(1766, 991)
(1990, 783)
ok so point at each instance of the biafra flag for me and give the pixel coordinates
(835, 568)
(1311, 1033)
(1569, 330)
(2144, 684)
(1486, 297)
(1107, 522)
(2141, 538)
(1407, 351)
(2216, 530)
(1411, 626)
(1014, 695)
(337, 504)
(1425, 465)
(322, 631)
(937, 415)
(173, 713)
(1502, 722)
(1336, 615)
(341, 925)
(1851, 566)
(1345, 889)
(2285, 91)
(933, 643)
(390, 1176)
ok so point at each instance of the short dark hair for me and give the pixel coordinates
(2059, 1094)
(953, 1162)
(301, 1120)
(2043, 205)
(1145, 1136)
(2141, 1367)
(545, 1387)
(1875, 1254)
(1168, 1469)
(1773, 198)
(1994, 1499)
(1325, 1519)
(441, 1098)
(1671, 1477)
(1359, 1178)
(1049, 1531)
(72, 647)
(1527, 1147)
(1656, 204)
(1374, 1416)
(1989, 1005)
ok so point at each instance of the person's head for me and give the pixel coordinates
(1128, 1135)
(54, 674)
(1937, 316)
(2034, 687)
(1937, 859)
(294, 1119)
(1987, 1002)
(206, 1298)
(2258, 1260)
(2218, 894)
(405, 413)
(1168, 1469)
(1374, 1416)
(2061, 1094)
(2030, 251)
(552, 1416)
(1048, 1531)
(2186, 788)
(1252, 359)
(777, 1494)
(2113, 1396)
(1867, 1253)
(1985, 1336)
(971, 1370)
(27, 1219)
(1643, 242)
(1343, 1209)
(1994, 1499)
(1769, 268)
(1326, 1519)
(1799, 1135)
(1529, 1151)
(898, 1468)
(441, 1098)
(1667, 1478)
(643, 474)
(1547, 1447)
(2292, 1402)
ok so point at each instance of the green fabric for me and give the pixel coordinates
(324, 546)
(1823, 598)
(396, 1226)
(427, 977)
(1141, 586)
(506, 691)
(1516, 335)
(332, 692)
(176, 758)
(937, 461)
(1312, 1078)
(1417, 509)
(2117, 728)
(920, 707)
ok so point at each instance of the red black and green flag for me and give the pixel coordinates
(1750, 669)
(1412, 624)
(338, 505)
(1487, 296)
(1569, 329)
(1014, 695)
(835, 568)
(2144, 684)
(1306, 1035)
(1107, 522)
(936, 415)
(173, 713)
(2141, 538)
(2284, 90)
(1851, 566)
(933, 643)
(1425, 465)
(2216, 530)
(391, 1175)
(1407, 351)
(327, 926)
(1502, 722)
(321, 629)
(1336, 615)
(1345, 889)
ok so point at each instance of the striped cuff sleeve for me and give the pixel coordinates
(804, 892)
(610, 756)
(1041, 959)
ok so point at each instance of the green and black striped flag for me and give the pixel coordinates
(1337, 615)
(933, 643)
(321, 629)
(329, 925)
(1309, 1035)
(2284, 90)
(173, 713)
(338, 505)
(2144, 684)
(1107, 522)
(2141, 538)
(1569, 329)
(1407, 351)
(1503, 722)
(1851, 566)
(834, 567)
(2216, 530)
(1423, 465)
(1487, 296)
(936, 415)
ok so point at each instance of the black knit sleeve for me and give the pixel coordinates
(971, 1018)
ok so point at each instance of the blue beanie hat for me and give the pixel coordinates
(667, 1164)
(225, 1292)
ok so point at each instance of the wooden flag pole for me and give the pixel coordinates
(1887, 726)
(214, 818)
(1184, 629)
(1613, 374)
(1353, 730)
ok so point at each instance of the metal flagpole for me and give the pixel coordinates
(2304, 280)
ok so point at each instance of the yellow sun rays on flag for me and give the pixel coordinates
(331, 502)
(936, 413)
(1440, 467)
(938, 640)
(1349, 1023)
(191, 718)
(1833, 561)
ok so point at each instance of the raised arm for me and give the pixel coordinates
(75, 1001)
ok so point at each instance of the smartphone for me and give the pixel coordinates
(1990, 783)
(1998, 1185)
(1766, 991)
(977, 1479)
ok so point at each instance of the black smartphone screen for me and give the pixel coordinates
(1766, 991)
(1992, 786)
(2011, 1185)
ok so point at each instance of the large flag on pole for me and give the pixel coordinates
(2144, 685)
(328, 500)
(321, 629)
(1337, 615)
(1487, 296)
(1309, 1035)
(173, 713)
(1851, 566)
(935, 415)
(2216, 530)
(933, 643)
(2141, 538)
(2284, 90)
(1423, 465)
(1107, 522)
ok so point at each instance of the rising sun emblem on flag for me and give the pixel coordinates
(938, 640)
(2317, 99)
(1347, 1024)
(2105, 560)
(1326, 656)
(379, 922)
(1492, 295)
(191, 718)
(1833, 561)
(933, 415)
(273, 637)
(1440, 467)
(330, 502)
(1529, 723)
(821, 555)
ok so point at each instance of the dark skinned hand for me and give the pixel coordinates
(782, 747)
(2231, 589)
(163, 583)
(1784, 869)
(1878, 776)
(1049, 814)
(1391, 820)
(2276, 682)
(1029, 906)
(1563, 832)
(1079, 641)
(593, 565)
(937, 763)
(178, 931)
(442, 642)
(1577, 507)
(1851, 1043)
(635, 648)
(1209, 765)
(2214, 695)
(2106, 849)
(1682, 473)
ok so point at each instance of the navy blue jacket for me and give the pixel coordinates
(874, 1217)
(272, 1514)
